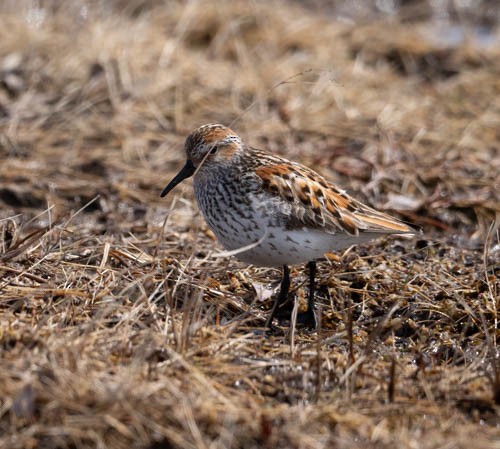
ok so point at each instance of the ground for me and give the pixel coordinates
(118, 326)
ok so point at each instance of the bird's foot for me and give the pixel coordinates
(305, 319)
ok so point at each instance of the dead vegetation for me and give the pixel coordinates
(118, 326)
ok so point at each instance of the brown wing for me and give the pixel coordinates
(319, 204)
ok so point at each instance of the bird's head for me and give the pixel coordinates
(207, 147)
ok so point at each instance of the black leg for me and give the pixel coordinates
(310, 317)
(283, 295)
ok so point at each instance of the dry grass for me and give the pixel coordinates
(118, 329)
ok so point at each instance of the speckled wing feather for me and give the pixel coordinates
(318, 204)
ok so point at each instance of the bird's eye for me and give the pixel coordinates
(214, 150)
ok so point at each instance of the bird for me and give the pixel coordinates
(272, 212)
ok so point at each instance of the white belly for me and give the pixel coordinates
(279, 246)
(288, 247)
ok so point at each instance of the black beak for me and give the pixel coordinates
(187, 171)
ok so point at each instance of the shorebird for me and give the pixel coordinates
(272, 212)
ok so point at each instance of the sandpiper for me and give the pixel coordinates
(273, 212)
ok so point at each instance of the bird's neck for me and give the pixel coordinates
(208, 177)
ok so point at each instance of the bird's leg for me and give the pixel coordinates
(309, 318)
(283, 295)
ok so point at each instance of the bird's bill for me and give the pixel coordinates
(186, 171)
